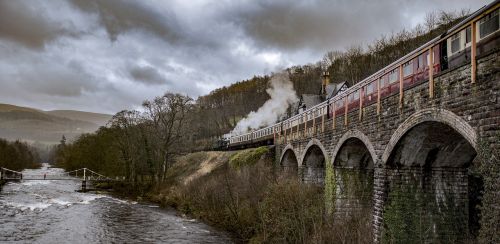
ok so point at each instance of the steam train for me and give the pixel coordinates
(474, 37)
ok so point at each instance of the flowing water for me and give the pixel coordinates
(50, 211)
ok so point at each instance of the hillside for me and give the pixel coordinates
(9, 108)
(30, 124)
(96, 118)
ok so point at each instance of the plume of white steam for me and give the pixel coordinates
(282, 96)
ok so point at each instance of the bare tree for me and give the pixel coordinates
(167, 116)
(125, 122)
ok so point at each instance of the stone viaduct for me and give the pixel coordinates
(409, 163)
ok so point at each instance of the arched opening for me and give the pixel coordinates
(433, 189)
(353, 179)
(289, 162)
(314, 166)
(354, 154)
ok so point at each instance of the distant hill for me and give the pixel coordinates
(96, 118)
(47, 127)
(8, 108)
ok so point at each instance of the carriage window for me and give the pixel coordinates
(488, 24)
(382, 82)
(455, 43)
(370, 88)
(356, 95)
(467, 35)
(408, 68)
(421, 61)
(393, 76)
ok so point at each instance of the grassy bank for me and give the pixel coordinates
(241, 192)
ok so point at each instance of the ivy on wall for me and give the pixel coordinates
(490, 210)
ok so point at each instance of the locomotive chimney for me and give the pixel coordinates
(326, 82)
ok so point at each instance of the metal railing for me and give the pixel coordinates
(79, 174)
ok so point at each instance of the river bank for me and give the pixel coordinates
(243, 193)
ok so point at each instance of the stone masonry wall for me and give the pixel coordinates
(473, 110)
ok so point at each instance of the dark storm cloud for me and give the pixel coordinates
(23, 22)
(147, 75)
(325, 24)
(109, 55)
(119, 16)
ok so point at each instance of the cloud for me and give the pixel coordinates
(56, 81)
(22, 21)
(119, 16)
(325, 24)
(147, 75)
(109, 55)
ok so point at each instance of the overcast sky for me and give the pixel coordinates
(105, 56)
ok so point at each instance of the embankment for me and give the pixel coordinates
(244, 193)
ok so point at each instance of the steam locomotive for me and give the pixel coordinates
(475, 36)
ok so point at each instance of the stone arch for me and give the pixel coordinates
(288, 161)
(353, 160)
(288, 147)
(313, 142)
(313, 162)
(358, 135)
(431, 115)
(427, 164)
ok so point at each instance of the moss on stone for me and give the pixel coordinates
(490, 210)
(416, 215)
(330, 188)
(247, 157)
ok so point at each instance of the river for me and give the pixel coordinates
(50, 211)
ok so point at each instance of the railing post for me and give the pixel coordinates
(323, 118)
(314, 122)
(305, 125)
(378, 95)
(298, 127)
(473, 53)
(285, 138)
(431, 72)
(361, 96)
(1, 173)
(334, 112)
(84, 185)
(401, 84)
(346, 107)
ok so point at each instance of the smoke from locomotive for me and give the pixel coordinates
(282, 96)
